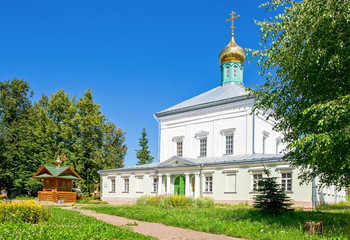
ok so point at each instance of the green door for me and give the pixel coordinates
(179, 186)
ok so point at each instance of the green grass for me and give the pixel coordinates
(337, 206)
(23, 197)
(90, 202)
(66, 224)
(239, 221)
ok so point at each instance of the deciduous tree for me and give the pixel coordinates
(305, 60)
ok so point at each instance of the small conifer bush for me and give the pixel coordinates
(271, 199)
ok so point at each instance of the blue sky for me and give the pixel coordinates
(137, 57)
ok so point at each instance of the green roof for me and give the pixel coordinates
(49, 171)
(56, 170)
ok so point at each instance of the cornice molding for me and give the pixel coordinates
(207, 110)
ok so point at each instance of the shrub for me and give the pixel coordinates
(175, 201)
(23, 211)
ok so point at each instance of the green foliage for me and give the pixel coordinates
(32, 186)
(16, 139)
(271, 199)
(33, 135)
(23, 211)
(66, 224)
(144, 155)
(306, 47)
(238, 221)
(175, 201)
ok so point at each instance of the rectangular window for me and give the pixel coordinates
(203, 147)
(155, 184)
(139, 187)
(277, 146)
(126, 185)
(256, 180)
(231, 182)
(227, 72)
(264, 145)
(209, 184)
(235, 72)
(179, 146)
(229, 144)
(286, 182)
(113, 185)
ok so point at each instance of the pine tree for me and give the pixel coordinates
(144, 155)
(271, 199)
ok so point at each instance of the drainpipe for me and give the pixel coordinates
(200, 180)
(101, 187)
(314, 193)
(154, 116)
(253, 133)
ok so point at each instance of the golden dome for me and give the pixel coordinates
(232, 53)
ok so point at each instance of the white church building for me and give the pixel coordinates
(213, 145)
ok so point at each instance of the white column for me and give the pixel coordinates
(187, 184)
(160, 181)
(196, 185)
(168, 184)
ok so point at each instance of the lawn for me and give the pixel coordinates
(239, 221)
(66, 224)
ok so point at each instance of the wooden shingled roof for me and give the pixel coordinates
(49, 171)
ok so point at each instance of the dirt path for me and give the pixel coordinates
(157, 230)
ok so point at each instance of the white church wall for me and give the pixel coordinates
(329, 194)
(134, 191)
(211, 123)
(223, 178)
(264, 129)
(243, 190)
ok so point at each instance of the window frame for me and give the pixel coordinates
(235, 71)
(126, 184)
(227, 72)
(265, 136)
(179, 148)
(255, 181)
(227, 133)
(203, 145)
(202, 136)
(112, 185)
(208, 183)
(285, 169)
(284, 186)
(155, 184)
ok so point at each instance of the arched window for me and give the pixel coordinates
(227, 75)
(235, 69)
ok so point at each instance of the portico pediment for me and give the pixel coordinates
(177, 161)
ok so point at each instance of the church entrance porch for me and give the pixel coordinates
(179, 186)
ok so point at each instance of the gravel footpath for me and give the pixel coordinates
(157, 230)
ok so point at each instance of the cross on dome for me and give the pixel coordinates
(233, 17)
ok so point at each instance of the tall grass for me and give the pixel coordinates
(239, 221)
(175, 201)
(334, 206)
